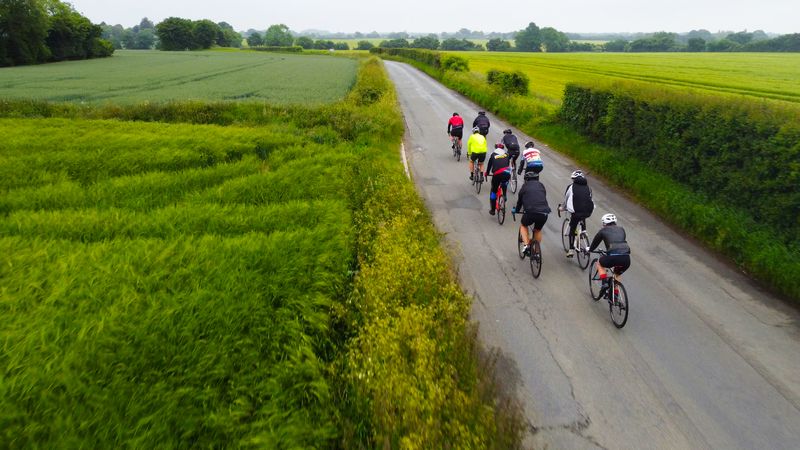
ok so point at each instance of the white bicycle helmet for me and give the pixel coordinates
(577, 174)
(476, 130)
(609, 219)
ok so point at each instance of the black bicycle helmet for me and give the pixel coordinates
(455, 114)
(507, 131)
(529, 144)
(481, 113)
(531, 176)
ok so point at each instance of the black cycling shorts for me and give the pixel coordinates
(457, 132)
(480, 157)
(483, 131)
(536, 219)
(622, 262)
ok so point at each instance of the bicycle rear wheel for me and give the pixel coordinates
(581, 253)
(594, 281)
(618, 305)
(478, 181)
(513, 182)
(520, 245)
(501, 209)
(565, 234)
(536, 259)
(458, 153)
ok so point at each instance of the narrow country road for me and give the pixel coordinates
(706, 360)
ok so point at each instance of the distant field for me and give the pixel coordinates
(155, 76)
(774, 76)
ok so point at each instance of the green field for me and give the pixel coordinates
(155, 76)
(251, 281)
(770, 75)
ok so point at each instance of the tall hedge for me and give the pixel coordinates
(739, 152)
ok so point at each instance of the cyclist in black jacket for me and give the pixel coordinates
(482, 122)
(618, 253)
(499, 166)
(578, 202)
(533, 196)
(512, 146)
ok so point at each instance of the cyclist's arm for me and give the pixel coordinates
(519, 199)
(489, 164)
(598, 238)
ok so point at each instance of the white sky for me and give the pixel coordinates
(772, 16)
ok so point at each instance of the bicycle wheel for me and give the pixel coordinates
(478, 182)
(458, 153)
(536, 259)
(618, 306)
(565, 234)
(594, 281)
(501, 209)
(581, 253)
(520, 245)
(513, 182)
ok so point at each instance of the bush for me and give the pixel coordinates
(509, 83)
(292, 49)
(454, 63)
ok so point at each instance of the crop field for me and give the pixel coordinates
(160, 272)
(773, 76)
(244, 282)
(137, 76)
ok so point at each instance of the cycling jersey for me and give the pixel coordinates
(455, 122)
(532, 159)
(482, 122)
(511, 143)
(578, 198)
(533, 196)
(499, 163)
(476, 144)
(613, 236)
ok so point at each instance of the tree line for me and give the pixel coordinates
(39, 31)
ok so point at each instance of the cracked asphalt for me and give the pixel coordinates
(707, 360)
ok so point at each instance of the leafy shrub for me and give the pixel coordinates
(514, 82)
(454, 63)
(288, 49)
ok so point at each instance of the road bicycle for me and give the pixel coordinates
(614, 293)
(513, 183)
(456, 146)
(580, 239)
(500, 205)
(534, 253)
(477, 177)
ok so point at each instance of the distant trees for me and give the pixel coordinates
(617, 45)
(37, 31)
(460, 44)
(696, 45)
(553, 40)
(278, 35)
(364, 45)
(178, 34)
(430, 42)
(304, 41)
(529, 39)
(394, 43)
(255, 39)
(498, 45)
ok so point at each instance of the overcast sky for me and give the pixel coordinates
(775, 16)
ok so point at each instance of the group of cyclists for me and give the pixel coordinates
(532, 197)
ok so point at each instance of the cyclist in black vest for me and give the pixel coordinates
(618, 253)
(578, 201)
(512, 146)
(482, 122)
(533, 196)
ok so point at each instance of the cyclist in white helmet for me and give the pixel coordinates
(618, 253)
(578, 202)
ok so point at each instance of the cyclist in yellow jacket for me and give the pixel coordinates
(476, 151)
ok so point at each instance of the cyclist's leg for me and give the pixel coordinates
(493, 192)
(541, 219)
(526, 221)
(481, 158)
(573, 225)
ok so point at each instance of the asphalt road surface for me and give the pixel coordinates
(707, 360)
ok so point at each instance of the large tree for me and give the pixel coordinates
(278, 36)
(205, 33)
(430, 42)
(529, 39)
(175, 33)
(23, 29)
(554, 40)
